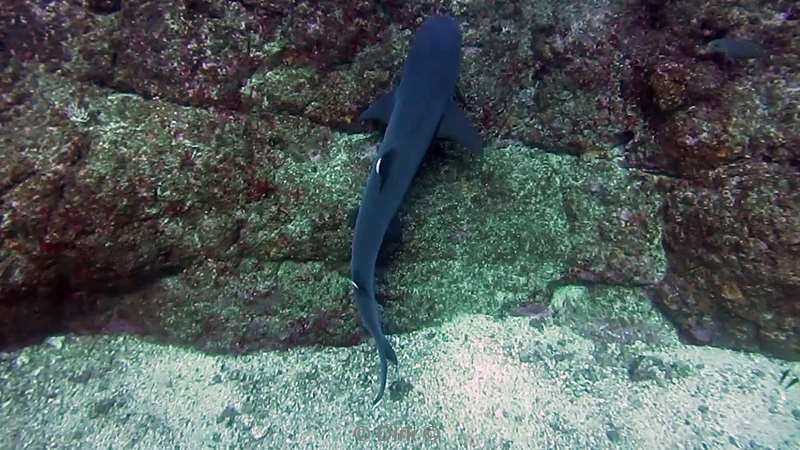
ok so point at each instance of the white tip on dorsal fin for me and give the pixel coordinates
(354, 284)
(378, 166)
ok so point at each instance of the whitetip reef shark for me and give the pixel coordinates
(418, 110)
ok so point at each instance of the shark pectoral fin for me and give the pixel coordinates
(455, 126)
(380, 110)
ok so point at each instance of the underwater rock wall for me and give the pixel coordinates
(185, 170)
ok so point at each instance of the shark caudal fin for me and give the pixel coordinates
(387, 354)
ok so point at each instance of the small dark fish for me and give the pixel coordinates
(784, 375)
(622, 138)
(736, 49)
(528, 310)
(698, 335)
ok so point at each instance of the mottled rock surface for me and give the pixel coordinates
(185, 170)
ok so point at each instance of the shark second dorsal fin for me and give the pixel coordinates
(380, 110)
(455, 126)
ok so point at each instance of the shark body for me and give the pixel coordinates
(418, 110)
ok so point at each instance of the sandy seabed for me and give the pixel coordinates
(476, 382)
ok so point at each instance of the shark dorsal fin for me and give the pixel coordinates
(384, 165)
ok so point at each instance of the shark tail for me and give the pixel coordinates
(387, 354)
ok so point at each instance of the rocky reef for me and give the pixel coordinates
(185, 170)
